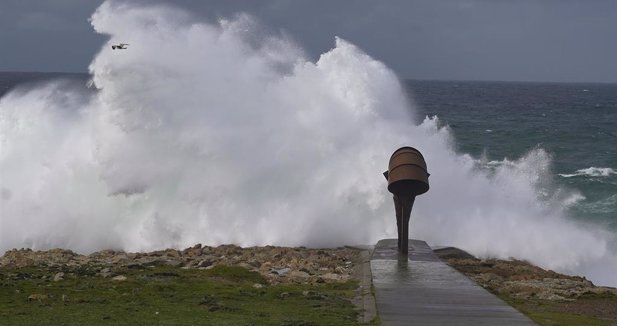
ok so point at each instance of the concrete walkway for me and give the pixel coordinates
(422, 290)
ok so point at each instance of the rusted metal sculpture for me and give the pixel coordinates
(407, 178)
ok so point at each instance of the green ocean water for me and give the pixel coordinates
(575, 123)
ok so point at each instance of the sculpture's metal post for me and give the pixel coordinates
(406, 205)
(398, 209)
(407, 177)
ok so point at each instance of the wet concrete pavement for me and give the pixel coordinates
(422, 290)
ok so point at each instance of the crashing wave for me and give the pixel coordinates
(591, 172)
(216, 133)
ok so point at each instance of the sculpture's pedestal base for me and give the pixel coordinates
(418, 250)
(419, 289)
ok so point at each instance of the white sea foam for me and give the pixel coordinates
(215, 133)
(591, 172)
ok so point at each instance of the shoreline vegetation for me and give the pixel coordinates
(230, 285)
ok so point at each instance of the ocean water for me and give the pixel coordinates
(230, 134)
(575, 123)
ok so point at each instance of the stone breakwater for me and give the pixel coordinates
(277, 264)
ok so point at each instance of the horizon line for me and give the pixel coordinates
(402, 79)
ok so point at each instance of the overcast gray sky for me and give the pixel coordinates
(525, 40)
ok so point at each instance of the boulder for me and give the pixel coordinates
(119, 278)
(58, 277)
(299, 274)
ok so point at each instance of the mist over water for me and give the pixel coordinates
(222, 133)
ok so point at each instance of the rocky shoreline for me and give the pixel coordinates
(529, 288)
(520, 279)
(278, 265)
(548, 297)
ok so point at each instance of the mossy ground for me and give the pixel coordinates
(164, 295)
(584, 311)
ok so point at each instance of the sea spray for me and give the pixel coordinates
(219, 133)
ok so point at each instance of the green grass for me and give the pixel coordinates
(169, 296)
(550, 313)
(564, 319)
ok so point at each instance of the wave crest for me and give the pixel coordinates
(591, 172)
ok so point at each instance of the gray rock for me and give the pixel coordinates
(205, 263)
(245, 265)
(282, 271)
(37, 296)
(134, 265)
(331, 277)
(174, 262)
(151, 261)
(299, 274)
(207, 260)
(105, 272)
(58, 277)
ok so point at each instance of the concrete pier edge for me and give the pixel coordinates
(420, 289)
(365, 298)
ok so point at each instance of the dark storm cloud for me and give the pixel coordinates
(47, 35)
(537, 40)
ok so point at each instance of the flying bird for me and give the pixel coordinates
(121, 46)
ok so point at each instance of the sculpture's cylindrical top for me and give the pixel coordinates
(407, 173)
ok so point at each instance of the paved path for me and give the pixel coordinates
(422, 290)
